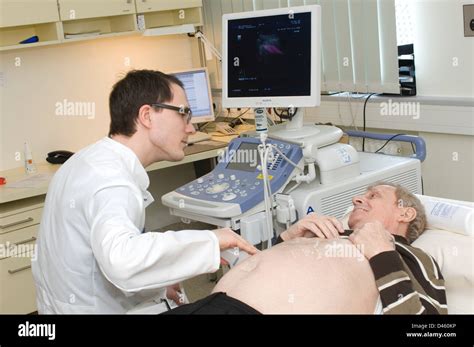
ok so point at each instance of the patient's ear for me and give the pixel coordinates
(407, 214)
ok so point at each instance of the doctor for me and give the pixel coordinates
(93, 256)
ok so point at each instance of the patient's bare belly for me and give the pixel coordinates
(304, 276)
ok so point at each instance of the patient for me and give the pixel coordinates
(320, 268)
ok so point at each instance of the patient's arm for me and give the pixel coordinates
(409, 282)
(314, 225)
(408, 279)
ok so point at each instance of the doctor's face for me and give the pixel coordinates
(170, 130)
(377, 204)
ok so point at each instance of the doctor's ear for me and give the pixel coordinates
(144, 116)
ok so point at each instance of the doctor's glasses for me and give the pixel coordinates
(182, 110)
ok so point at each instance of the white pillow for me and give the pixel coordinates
(454, 255)
(452, 215)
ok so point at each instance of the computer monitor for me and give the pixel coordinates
(198, 91)
(272, 58)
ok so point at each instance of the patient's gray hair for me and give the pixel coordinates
(406, 199)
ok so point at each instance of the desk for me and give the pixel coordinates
(20, 215)
(196, 152)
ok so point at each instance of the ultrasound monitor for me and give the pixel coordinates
(272, 58)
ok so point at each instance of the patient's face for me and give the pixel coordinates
(377, 204)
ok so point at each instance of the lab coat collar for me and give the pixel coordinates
(131, 159)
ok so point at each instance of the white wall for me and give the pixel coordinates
(79, 72)
(439, 44)
(448, 170)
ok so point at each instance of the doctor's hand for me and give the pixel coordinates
(174, 293)
(314, 226)
(229, 239)
(373, 239)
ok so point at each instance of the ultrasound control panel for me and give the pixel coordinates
(237, 179)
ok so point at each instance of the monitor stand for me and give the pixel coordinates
(295, 130)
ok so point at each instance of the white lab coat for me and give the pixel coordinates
(92, 255)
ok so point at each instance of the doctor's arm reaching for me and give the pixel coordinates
(135, 261)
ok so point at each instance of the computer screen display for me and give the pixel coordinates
(198, 92)
(272, 58)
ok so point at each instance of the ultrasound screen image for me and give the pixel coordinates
(269, 56)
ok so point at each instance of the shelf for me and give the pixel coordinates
(102, 27)
(48, 33)
(144, 6)
(172, 17)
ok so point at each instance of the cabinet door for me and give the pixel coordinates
(17, 285)
(80, 9)
(163, 5)
(26, 12)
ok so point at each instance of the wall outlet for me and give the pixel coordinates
(468, 20)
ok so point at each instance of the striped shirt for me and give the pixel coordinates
(409, 281)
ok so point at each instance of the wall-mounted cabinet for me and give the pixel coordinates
(81, 9)
(22, 20)
(55, 21)
(164, 5)
(19, 13)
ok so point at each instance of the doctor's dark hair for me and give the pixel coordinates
(137, 88)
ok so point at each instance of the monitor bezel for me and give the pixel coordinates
(312, 100)
(202, 119)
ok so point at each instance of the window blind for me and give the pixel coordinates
(358, 40)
